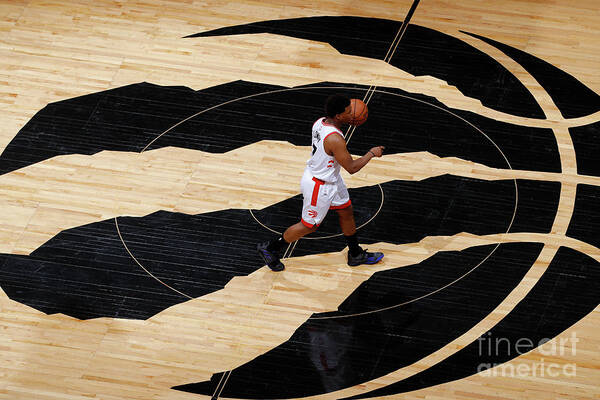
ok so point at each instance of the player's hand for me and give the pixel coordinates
(377, 151)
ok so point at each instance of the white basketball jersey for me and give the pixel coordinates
(321, 165)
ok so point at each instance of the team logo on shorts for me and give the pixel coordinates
(312, 213)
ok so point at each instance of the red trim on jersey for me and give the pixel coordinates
(345, 205)
(306, 224)
(315, 193)
(331, 133)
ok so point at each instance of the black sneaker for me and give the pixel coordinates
(270, 258)
(364, 257)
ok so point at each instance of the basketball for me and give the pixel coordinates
(360, 112)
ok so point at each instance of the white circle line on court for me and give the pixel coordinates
(345, 88)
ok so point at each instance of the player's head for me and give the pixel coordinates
(336, 104)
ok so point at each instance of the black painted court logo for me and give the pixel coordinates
(397, 317)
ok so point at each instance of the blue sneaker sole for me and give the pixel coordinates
(367, 262)
(371, 262)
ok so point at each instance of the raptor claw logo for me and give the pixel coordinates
(397, 317)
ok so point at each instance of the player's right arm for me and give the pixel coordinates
(335, 146)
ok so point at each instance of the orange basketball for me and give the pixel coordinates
(360, 112)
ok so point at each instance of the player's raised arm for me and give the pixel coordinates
(335, 145)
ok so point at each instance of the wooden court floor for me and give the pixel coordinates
(146, 147)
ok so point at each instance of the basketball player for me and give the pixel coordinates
(323, 187)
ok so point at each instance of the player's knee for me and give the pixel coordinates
(305, 228)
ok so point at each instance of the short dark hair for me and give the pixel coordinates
(336, 104)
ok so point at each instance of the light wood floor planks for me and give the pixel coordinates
(57, 50)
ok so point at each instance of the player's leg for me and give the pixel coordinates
(315, 207)
(297, 231)
(346, 218)
(316, 200)
(342, 205)
(270, 251)
(345, 214)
